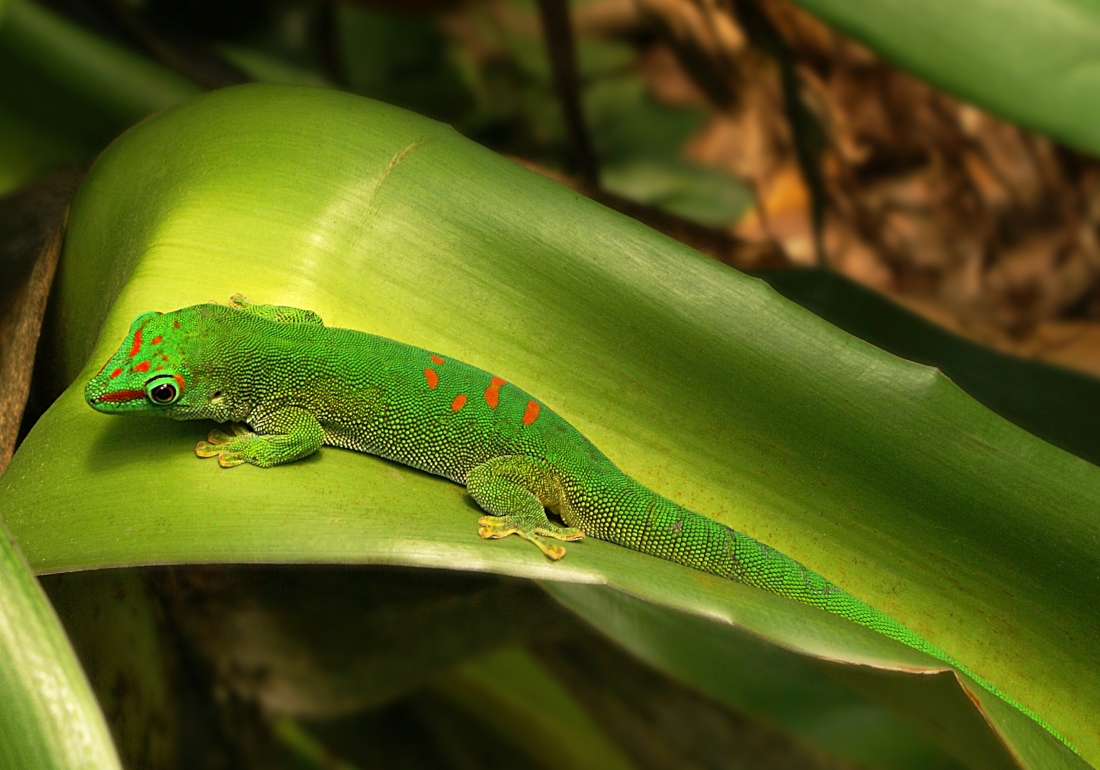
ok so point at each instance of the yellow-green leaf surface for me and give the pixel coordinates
(700, 382)
(48, 716)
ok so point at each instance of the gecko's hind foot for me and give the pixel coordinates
(494, 527)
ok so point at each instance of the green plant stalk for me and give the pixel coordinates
(49, 718)
(307, 749)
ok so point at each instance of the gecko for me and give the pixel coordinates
(287, 384)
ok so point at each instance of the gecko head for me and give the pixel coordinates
(148, 373)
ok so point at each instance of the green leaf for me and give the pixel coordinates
(703, 195)
(1054, 403)
(700, 382)
(517, 699)
(1031, 61)
(124, 85)
(49, 718)
(400, 57)
(267, 68)
(65, 93)
(112, 624)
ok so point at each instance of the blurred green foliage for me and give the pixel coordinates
(496, 89)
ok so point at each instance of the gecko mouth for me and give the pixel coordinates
(120, 395)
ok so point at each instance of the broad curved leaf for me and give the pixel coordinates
(1035, 62)
(1054, 403)
(700, 382)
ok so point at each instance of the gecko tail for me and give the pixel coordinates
(660, 527)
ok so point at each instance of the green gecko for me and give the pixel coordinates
(299, 384)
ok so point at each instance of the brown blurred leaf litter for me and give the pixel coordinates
(32, 225)
(978, 225)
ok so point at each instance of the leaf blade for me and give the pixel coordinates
(702, 383)
(50, 718)
(1031, 61)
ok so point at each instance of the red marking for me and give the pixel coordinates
(122, 395)
(431, 377)
(492, 393)
(437, 360)
(116, 373)
(458, 403)
(137, 344)
(143, 367)
(531, 413)
(156, 340)
(163, 357)
(179, 381)
(175, 324)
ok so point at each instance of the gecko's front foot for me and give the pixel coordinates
(534, 531)
(228, 448)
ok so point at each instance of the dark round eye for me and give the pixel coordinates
(163, 393)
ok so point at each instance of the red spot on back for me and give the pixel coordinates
(137, 344)
(437, 360)
(492, 393)
(142, 367)
(431, 377)
(116, 373)
(175, 324)
(156, 340)
(458, 403)
(531, 413)
(122, 395)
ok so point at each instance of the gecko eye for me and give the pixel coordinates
(162, 390)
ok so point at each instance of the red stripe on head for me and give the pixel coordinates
(122, 395)
(143, 367)
(492, 393)
(116, 373)
(531, 413)
(431, 377)
(156, 340)
(437, 360)
(458, 403)
(137, 344)
(179, 381)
